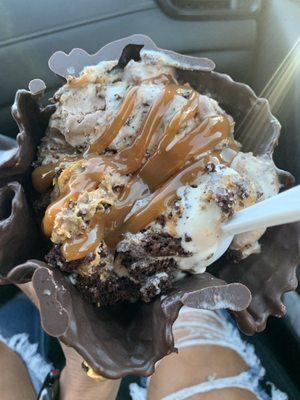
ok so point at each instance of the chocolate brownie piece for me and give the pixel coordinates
(163, 244)
(55, 258)
(107, 292)
(145, 277)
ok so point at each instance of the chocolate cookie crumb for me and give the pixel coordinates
(242, 191)
(234, 255)
(161, 220)
(210, 167)
(187, 238)
(163, 244)
(107, 292)
(155, 285)
(225, 200)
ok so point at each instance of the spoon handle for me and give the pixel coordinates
(280, 209)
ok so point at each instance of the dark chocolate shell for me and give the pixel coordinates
(268, 275)
(18, 231)
(129, 339)
(125, 339)
(124, 50)
(17, 155)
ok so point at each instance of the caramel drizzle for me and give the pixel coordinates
(76, 248)
(159, 202)
(75, 181)
(200, 140)
(135, 190)
(148, 173)
(170, 156)
(131, 157)
(111, 132)
(103, 225)
(42, 177)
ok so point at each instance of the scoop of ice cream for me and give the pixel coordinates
(205, 207)
(262, 172)
(87, 105)
(194, 219)
(74, 216)
(83, 194)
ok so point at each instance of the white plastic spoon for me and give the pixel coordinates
(277, 210)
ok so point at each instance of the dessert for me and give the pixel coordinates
(141, 171)
(129, 338)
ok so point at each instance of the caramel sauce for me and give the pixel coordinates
(135, 190)
(111, 132)
(131, 157)
(42, 177)
(167, 161)
(114, 220)
(76, 248)
(161, 199)
(174, 163)
(81, 176)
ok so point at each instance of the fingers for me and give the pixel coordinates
(72, 357)
(76, 384)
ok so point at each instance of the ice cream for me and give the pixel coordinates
(142, 171)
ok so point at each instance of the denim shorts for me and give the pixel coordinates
(20, 329)
(205, 327)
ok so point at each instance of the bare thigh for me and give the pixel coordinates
(14, 379)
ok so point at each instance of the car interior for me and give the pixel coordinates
(254, 41)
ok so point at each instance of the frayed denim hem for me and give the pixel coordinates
(201, 331)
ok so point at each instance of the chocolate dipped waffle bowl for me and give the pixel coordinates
(129, 174)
